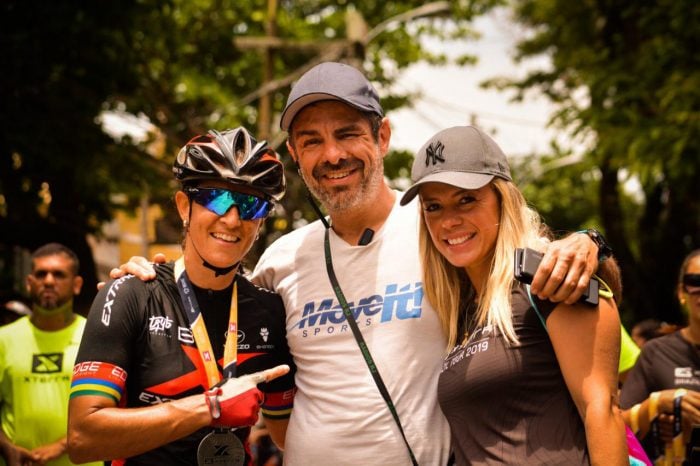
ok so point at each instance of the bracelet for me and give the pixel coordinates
(634, 418)
(212, 398)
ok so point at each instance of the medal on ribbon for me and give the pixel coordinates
(221, 448)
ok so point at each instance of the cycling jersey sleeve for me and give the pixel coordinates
(106, 348)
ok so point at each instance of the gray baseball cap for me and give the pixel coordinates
(462, 156)
(331, 81)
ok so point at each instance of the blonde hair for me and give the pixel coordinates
(448, 288)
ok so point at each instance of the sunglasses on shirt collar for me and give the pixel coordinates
(691, 283)
(220, 201)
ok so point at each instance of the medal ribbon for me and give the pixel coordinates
(199, 329)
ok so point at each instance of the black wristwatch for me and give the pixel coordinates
(604, 249)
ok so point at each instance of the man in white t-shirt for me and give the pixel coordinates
(338, 136)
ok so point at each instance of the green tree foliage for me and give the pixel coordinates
(194, 74)
(57, 167)
(177, 63)
(626, 76)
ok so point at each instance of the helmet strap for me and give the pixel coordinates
(218, 270)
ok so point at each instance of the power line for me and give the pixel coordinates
(436, 126)
(462, 110)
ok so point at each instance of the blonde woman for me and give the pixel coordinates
(513, 391)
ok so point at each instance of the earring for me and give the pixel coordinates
(185, 223)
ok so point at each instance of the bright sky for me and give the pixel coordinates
(451, 95)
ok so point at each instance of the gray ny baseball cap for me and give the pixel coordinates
(331, 81)
(462, 156)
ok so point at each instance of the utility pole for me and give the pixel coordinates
(352, 48)
(355, 34)
(265, 105)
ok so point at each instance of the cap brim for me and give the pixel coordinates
(307, 99)
(457, 179)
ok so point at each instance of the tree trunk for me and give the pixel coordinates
(634, 302)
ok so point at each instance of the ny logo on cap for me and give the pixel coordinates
(434, 153)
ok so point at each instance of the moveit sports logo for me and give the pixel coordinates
(397, 302)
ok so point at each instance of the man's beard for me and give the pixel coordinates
(50, 306)
(344, 198)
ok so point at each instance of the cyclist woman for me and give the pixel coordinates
(167, 368)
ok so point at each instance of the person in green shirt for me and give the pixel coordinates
(629, 352)
(37, 353)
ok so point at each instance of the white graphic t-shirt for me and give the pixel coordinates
(339, 416)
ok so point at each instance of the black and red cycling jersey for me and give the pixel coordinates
(141, 328)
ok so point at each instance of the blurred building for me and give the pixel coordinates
(143, 233)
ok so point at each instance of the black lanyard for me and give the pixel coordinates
(361, 343)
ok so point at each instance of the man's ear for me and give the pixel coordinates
(290, 148)
(384, 136)
(77, 284)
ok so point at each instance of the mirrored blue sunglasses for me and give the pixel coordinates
(220, 200)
